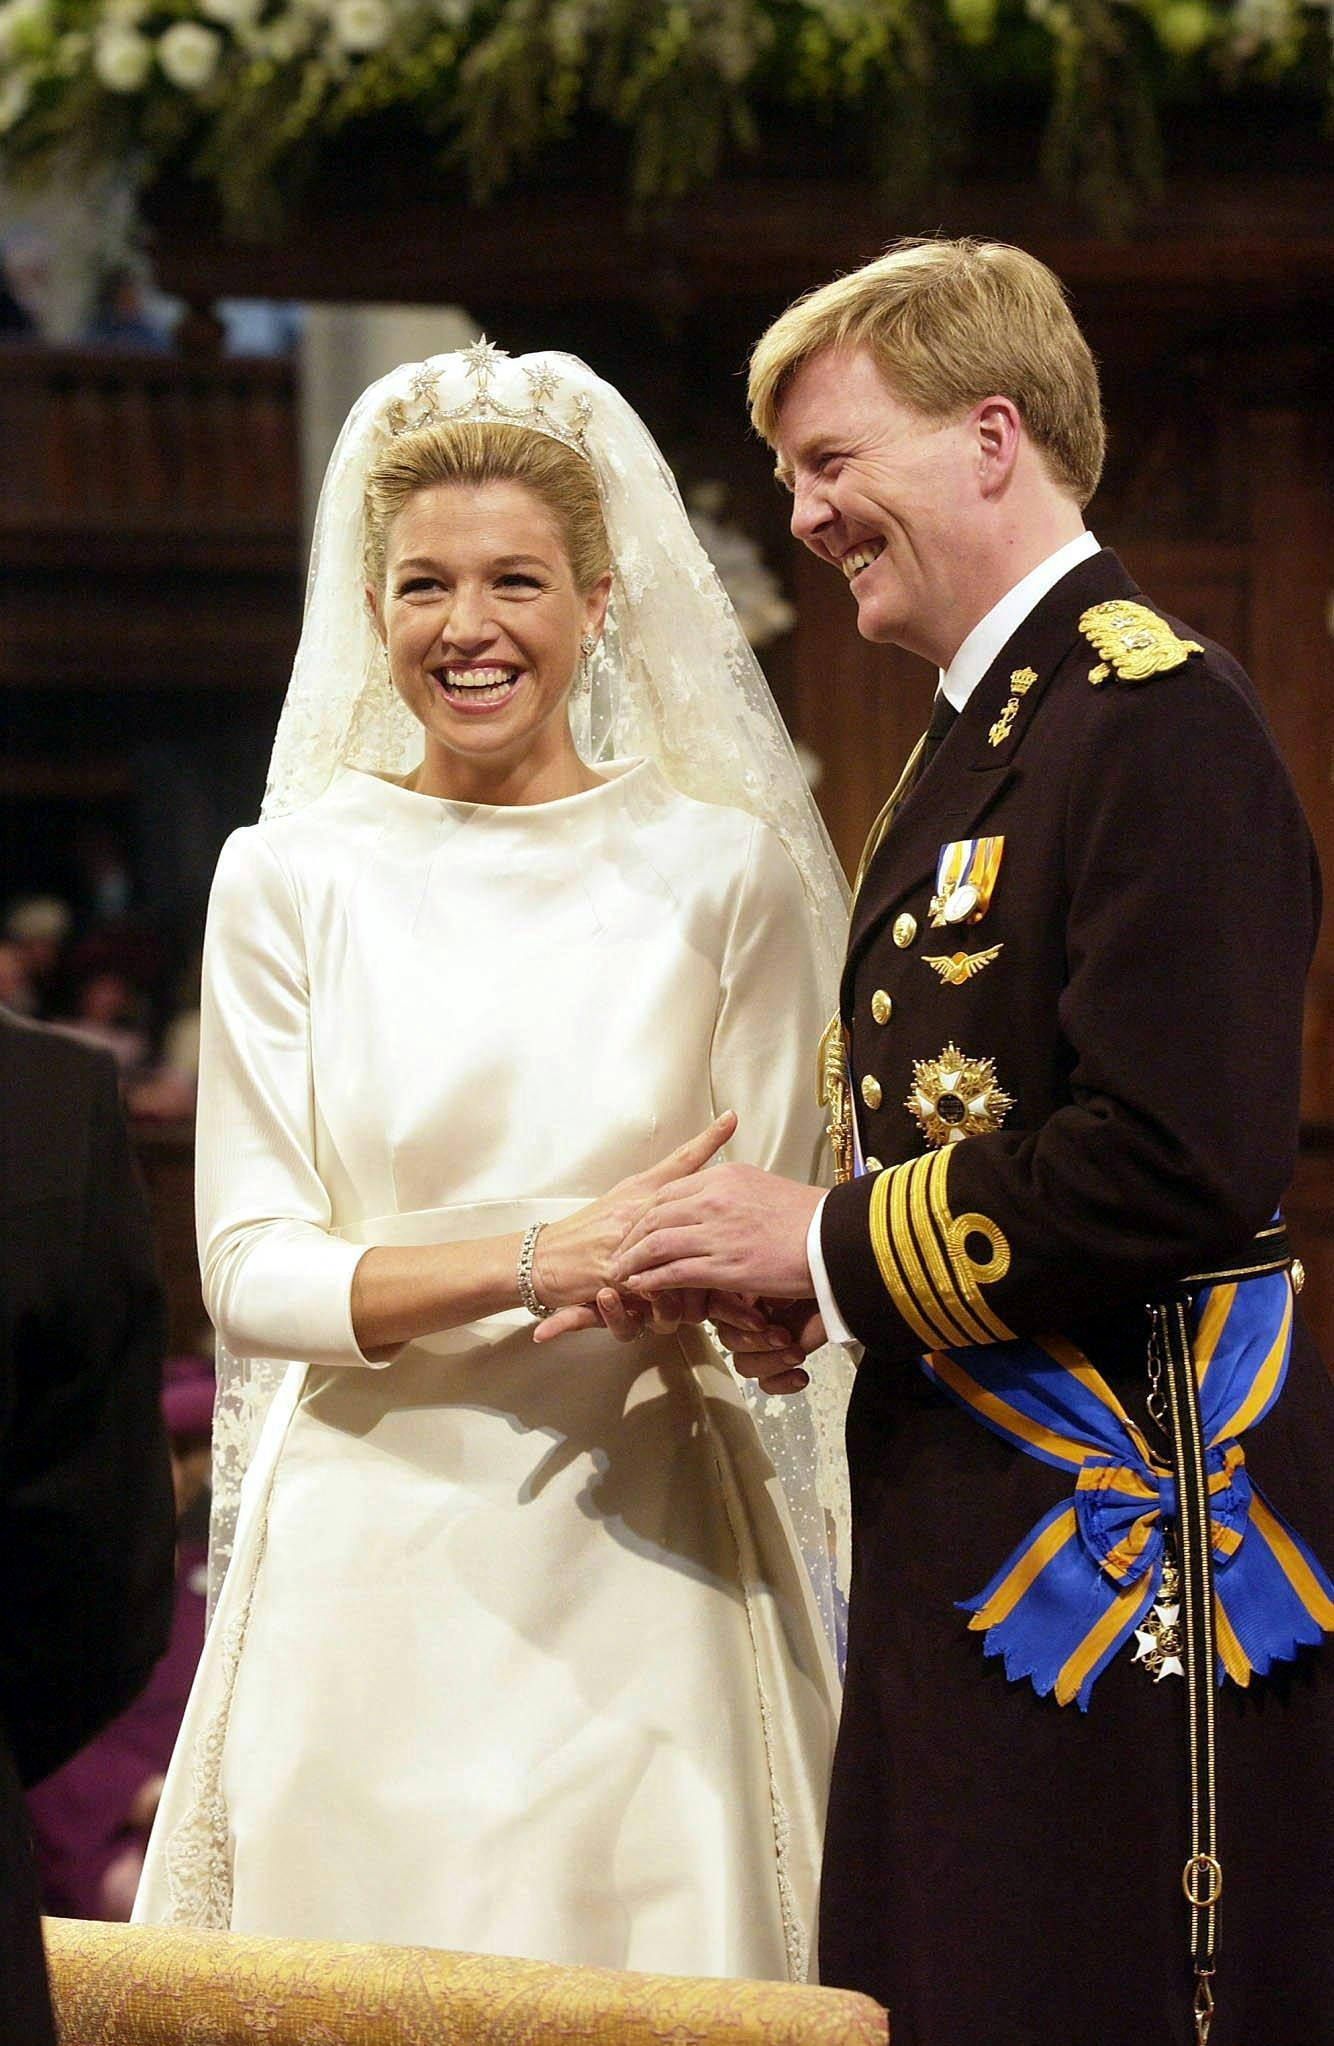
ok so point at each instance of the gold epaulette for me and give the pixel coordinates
(1133, 641)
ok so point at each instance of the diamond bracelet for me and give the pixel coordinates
(527, 1291)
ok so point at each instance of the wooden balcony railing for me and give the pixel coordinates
(150, 459)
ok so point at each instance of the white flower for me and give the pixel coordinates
(1261, 24)
(188, 53)
(72, 53)
(15, 93)
(287, 37)
(455, 12)
(123, 13)
(361, 25)
(232, 13)
(18, 17)
(122, 59)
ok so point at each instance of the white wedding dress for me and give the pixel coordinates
(516, 1653)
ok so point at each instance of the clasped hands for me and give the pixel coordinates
(677, 1244)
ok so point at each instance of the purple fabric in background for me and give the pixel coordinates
(79, 1815)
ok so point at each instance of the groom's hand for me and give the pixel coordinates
(734, 1229)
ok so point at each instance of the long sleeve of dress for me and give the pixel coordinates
(277, 1283)
(770, 1015)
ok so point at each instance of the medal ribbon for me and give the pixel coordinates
(971, 862)
(1081, 1581)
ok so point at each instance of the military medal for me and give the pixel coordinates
(1158, 1641)
(966, 873)
(954, 1096)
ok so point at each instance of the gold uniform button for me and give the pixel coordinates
(874, 1165)
(881, 1006)
(872, 1093)
(905, 929)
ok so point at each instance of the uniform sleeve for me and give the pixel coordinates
(763, 1057)
(1192, 900)
(276, 1281)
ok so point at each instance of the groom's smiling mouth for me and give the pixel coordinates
(861, 556)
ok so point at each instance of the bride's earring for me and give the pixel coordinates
(583, 679)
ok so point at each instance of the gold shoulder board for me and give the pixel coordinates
(1134, 641)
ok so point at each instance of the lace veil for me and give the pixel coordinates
(673, 678)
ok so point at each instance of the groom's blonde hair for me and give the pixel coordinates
(948, 323)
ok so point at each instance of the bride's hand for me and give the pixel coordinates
(627, 1317)
(573, 1257)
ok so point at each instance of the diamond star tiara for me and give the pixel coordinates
(424, 405)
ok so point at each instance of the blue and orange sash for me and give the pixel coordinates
(1083, 1579)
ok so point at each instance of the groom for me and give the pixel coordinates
(1071, 1021)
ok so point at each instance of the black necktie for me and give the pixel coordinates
(943, 715)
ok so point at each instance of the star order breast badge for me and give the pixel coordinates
(954, 1096)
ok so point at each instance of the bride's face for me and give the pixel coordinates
(481, 619)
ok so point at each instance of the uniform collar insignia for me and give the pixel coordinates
(970, 772)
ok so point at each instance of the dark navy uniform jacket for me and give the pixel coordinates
(1117, 1035)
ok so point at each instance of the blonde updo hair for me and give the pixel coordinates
(472, 452)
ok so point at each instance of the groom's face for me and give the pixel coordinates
(883, 493)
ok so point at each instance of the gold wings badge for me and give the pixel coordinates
(955, 968)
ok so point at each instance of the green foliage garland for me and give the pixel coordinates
(245, 94)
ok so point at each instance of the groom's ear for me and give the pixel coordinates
(998, 427)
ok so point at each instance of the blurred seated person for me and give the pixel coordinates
(108, 1012)
(121, 317)
(87, 1539)
(16, 989)
(39, 925)
(167, 1092)
(16, 322)
(91, 1819)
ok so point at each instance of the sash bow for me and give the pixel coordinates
(1074, 1590)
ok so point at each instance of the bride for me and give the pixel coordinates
(515, 1650)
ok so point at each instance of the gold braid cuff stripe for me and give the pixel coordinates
(922, 1252)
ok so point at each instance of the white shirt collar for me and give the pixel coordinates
(989, 635)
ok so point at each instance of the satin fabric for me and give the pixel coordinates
(516, 1653)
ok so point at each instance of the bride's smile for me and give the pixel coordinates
(481, 686)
